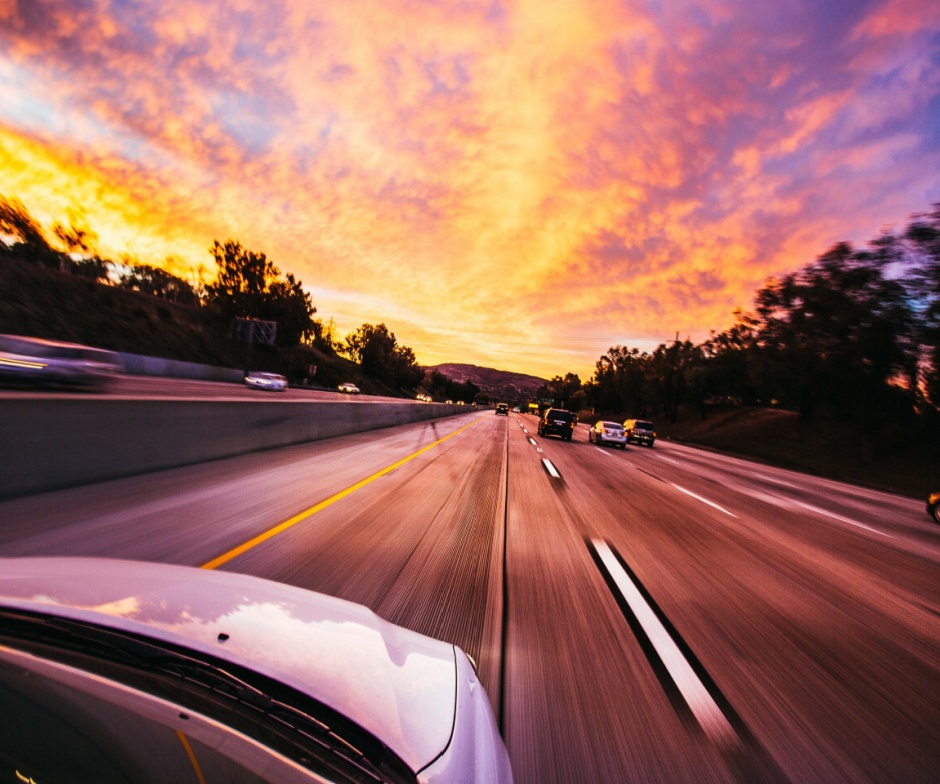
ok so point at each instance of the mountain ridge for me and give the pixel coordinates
(501, 384)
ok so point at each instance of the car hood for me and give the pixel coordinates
(397, 684)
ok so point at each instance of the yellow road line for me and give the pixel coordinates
(263, 537)
(192, 757)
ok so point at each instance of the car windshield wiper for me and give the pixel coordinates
(294, 724)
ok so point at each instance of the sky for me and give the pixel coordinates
(517, 184)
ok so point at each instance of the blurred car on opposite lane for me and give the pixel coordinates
(36, 362)
(348, 388)
(115, 670)
(608, 433)
(257, 379)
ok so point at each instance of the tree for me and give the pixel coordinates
(837, 332)
(77, 237)
(561, 390)
(920, 248)
(248, 285)
(378, 353)
(24, 235)
(18, 224)
(158, 283)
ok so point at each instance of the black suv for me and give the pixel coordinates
(502, 408)
(557, 422)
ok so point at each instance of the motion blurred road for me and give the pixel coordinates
(153, 387)
(658, 615)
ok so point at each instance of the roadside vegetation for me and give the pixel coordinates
(59, 288)
(837, 369)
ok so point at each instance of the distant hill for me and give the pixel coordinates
(498, 384)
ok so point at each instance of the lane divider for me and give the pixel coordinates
(703, 500)
(298, 518)
(552, 471)
(700, 702)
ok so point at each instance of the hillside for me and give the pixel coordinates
(497, 384)
(896, 460)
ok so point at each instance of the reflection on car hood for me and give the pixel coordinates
(396, 683)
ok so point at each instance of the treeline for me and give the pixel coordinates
(854, 335)
(440, 387)
(246, 285)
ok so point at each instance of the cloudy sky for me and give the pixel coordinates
(514, 183)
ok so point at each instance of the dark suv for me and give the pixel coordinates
(557, 422)
(502, 408)
(639, 431)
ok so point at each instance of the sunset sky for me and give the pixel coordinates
(518, 184)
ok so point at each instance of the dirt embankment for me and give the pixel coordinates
(893, 458)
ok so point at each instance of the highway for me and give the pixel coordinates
(655, 615)
(131, 387)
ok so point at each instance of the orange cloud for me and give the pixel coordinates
(519, 184)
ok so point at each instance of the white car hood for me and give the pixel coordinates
(399, 685)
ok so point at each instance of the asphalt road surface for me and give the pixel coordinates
(654, 615)
(128, 387)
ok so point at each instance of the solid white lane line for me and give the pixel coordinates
(550, 468)
(833, 515)
(703, 500)
(693, 691)
(668, 460)
(602, 451)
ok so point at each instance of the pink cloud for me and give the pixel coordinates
(480, 163)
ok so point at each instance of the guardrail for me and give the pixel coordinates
(52, 444)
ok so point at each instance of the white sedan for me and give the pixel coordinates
(348, 389)
(270, 381)
(608, 433)
(225, 677)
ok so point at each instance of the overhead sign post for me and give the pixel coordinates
(252, 331)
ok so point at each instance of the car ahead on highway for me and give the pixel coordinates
(257, 379)
(502, 408)
(348, 388)
(35, 362)
(557, 422)
(115, 671)
(608, 433)
(933, 506)
(639, 431)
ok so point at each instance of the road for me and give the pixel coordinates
(129, 387)
(657, 615)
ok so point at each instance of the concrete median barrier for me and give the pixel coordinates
(51, 444)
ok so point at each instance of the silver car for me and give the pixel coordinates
(271, 381)
(114, 670)
(26, 361)
(608, 433)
